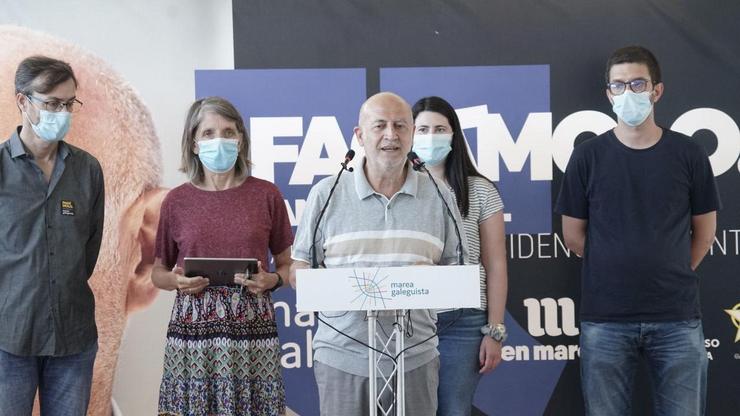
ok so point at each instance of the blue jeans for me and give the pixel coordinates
(676, 359)
(459, 348)
(63, 383)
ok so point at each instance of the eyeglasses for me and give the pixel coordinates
(56, 106)
(636, 85)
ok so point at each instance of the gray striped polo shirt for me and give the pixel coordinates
(363, 228)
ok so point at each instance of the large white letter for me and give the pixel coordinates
(534, 142)
(534, 317)
(723, 127)
(564, 135)
(265, 153)
(322, 132)
(472, 117)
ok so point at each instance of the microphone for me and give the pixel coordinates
(347, 158)
(416, 161)
(420, 166)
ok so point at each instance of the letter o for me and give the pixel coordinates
(565, 133)
(723, 127)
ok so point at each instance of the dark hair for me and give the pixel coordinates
(458, 166)
(191, 164)
(41, 74)
(635, 55)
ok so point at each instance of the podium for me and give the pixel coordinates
(390, 290)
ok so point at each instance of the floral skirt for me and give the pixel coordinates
(222, 356)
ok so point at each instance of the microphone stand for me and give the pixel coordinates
(347, 159)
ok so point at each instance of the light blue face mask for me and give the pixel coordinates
(52, 127)
(218, 155)
(432, 148)
(632, 108)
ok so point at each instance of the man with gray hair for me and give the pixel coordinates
(383, 214)
(52, 202)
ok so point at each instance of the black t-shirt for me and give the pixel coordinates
(638, 204)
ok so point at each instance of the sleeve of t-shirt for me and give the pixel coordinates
(572, 200)
(302, 243)
(165, 247)
(491, 202)
(449, 252)
(704, 192)
(281, 235)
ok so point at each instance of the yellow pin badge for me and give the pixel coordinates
(68, 207)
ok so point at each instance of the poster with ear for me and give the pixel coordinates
(117, 129)
(136, 85)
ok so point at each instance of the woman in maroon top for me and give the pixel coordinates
(222, 354)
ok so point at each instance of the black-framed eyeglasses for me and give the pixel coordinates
(74, 105)
(636, 85)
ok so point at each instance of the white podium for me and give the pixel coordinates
(396, 289)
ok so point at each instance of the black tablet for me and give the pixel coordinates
(219, 271)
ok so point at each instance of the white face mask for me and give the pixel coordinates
(218, 155)
(52, 126)
(632, 108)
(433, 148)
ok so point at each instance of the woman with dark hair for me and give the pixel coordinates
(469, 339)
(222, 355)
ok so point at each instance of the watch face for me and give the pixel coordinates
(498, 332)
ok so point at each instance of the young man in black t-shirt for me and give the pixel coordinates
(639, 204)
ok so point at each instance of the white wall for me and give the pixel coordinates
(156, 46)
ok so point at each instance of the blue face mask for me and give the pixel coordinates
(218, 155)
(52, 127)
(432, 148)
(633, 108)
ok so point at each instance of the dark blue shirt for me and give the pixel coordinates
(638, 204)
(50, 235)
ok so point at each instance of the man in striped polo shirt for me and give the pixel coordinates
(383, 214)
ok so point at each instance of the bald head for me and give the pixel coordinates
(386, 102)
(385, 131)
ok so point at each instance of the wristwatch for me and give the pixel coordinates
(495, 331)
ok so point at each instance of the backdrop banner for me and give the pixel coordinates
(527, 79)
